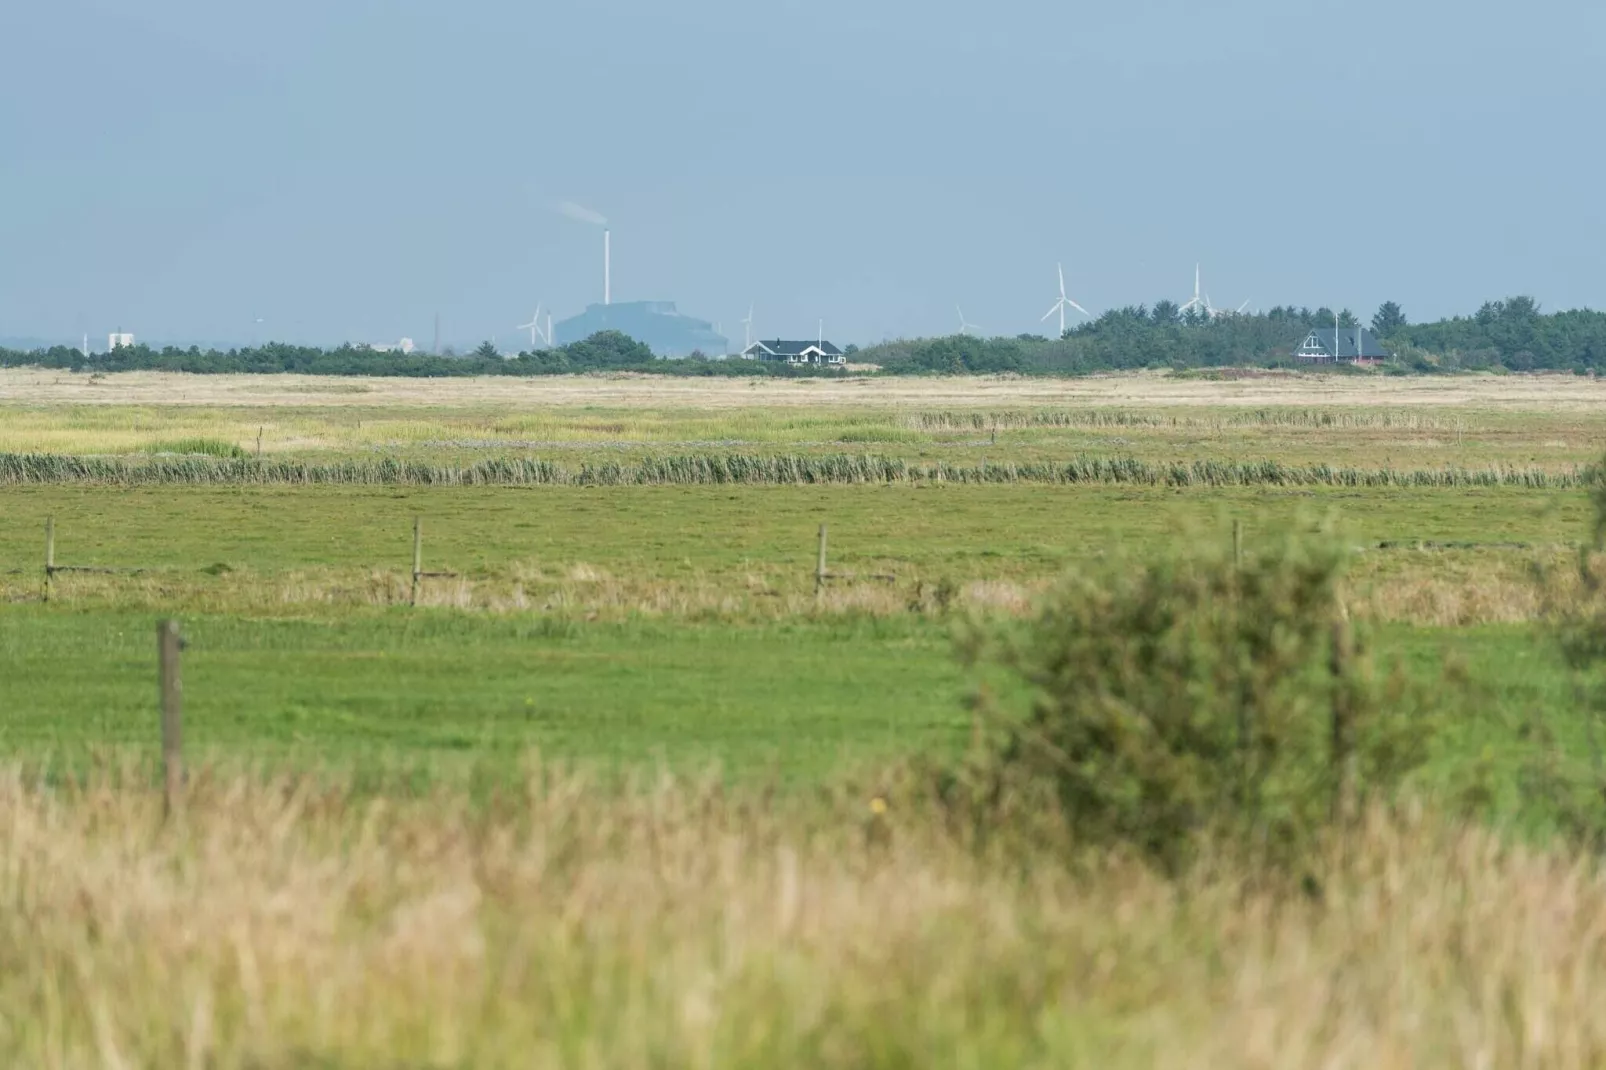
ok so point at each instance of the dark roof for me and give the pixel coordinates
(793, 349)
(1354, 343)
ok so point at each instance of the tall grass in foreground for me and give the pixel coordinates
(716, 469)
(299, 921)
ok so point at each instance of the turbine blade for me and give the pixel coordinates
(1079, 308)
(1051, 311)
(1061, 268)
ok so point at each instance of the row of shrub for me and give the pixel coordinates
(706, 469)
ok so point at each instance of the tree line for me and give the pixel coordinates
(1512, 335)
(604, 351)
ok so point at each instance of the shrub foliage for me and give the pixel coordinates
(1199, 694)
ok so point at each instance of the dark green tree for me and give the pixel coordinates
(1390, 318)
(488, 351)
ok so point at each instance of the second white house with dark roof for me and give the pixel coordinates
(820, 352)
(1341, 345)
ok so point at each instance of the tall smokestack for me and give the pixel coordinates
(607, 267)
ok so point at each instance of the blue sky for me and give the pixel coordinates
(344, 169)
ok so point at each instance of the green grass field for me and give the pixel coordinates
(803, 702)
(800, 699)
(970, 532)
(622, 622)
(624, 791)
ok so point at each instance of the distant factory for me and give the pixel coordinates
(655, 323)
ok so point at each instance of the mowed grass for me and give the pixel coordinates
(771, 684)
(931, 532)
(803, 700)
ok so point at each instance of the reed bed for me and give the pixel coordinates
(1097, 418)
(702, 470)
(550, 920)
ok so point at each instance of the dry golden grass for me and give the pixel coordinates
(1513, 392)
(294, 922)
(1551, 422)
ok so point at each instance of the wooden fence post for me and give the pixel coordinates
(418, 555)
(819, 569)
(168, 645)
(50, 555)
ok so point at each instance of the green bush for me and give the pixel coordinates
(1574, 601)
(198, 447)
(1193, 695)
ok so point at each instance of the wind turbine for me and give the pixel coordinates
(534, 327)
(1063, 303)
(747, 330)
(1201, 300)
(966, 328)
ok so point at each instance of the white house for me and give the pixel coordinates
(1341, 345)
(821, 353)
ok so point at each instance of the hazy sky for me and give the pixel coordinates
(345, 169)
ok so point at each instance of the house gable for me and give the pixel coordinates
(1326, 345)
(795, 352)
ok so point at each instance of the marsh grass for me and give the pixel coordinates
(1015, 419)
(1464, 423)
(752, 469)
(302, 919)
(197, 447)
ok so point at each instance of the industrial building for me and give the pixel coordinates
(655, 323)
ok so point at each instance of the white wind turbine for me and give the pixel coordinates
(1201, 300)
(534, 327)
(1063, 303)
(747, 330)
(966, 328)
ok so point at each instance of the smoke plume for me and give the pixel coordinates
(582, 213)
